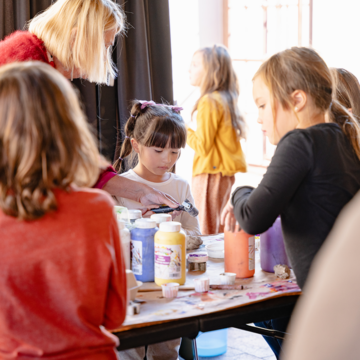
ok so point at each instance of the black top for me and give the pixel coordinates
(313, 174)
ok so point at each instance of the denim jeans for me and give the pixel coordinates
(279, 324)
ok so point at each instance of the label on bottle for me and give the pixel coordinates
(168, 262)
(252, 253)
(136, 257)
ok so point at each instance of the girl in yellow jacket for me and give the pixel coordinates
(216, 141)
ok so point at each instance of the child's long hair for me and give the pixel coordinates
(220, 76)
(346, 90)
(45, 142)
(152, 124)
(301, 68)
(73, 31)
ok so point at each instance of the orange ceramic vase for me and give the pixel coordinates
(240, 254)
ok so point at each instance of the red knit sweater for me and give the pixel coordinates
(61, 278)
(22, 46)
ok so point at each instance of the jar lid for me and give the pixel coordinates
(159, 218)
(198, 257)
(121, 224)
(135, 214)
(170, 226)
(145, 224)
(121, 212)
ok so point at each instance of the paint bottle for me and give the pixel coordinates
(239, 254)
(170, 260)
(272, 248)
(142, 249)
(125, 242)
(159, 218)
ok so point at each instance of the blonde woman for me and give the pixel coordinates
(62, 271)
(216, 141)
(75, 37)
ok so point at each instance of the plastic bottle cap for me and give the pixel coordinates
(170, 226)
(135, 214)
(145, 224)
(159, 218)
(121, 224)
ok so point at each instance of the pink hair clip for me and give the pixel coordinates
(176, 108)
(145, 103)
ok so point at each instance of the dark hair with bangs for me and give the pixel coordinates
(150, 125)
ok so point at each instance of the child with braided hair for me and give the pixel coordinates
(154, 136)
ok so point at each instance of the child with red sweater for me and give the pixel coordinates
(62, 273)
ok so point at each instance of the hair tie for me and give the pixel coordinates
(127, 137)
(133, 116)
(120, 158)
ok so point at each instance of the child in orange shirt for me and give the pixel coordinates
(216, 141)
(62, 273)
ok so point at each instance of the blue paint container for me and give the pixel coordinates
(142, 249)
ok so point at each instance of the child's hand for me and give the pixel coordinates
(228, 218)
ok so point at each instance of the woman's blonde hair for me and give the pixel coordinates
(219, 75)
(301, 68)
(347, 90)
(45, 142)
(73, 31)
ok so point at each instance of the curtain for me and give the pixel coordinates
(143, 57)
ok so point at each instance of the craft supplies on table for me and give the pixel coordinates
(159, 218)
(142, 249)
(216, 250)
(156, 308)
(170, 290)
(197, 261)
(170, 254)
(240, 254)
(125, 242)
(272, 248)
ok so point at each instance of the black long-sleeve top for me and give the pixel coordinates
(313, 174)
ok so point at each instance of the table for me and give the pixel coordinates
(160, 319)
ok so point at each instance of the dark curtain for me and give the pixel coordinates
(143, 57)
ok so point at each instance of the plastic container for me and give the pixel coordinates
(227, 278)
(216, 250)
(202, 284)
(121, 213)
(142, 249)
(240, 254)
(170, 257)
(272, 248)
(159, 218)
(212, 343)
(197, 261)
(134, 215)
(125, 242)
(170, 290)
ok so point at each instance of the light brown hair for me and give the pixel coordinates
(152, 125)
(219, 76)
(45, 142)
(346, 90)
(73, 31)
(301, 68)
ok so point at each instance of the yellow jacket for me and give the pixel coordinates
(217, 149)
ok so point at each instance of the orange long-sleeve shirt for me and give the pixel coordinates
(62, 281)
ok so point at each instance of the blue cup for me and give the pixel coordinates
(212, 343)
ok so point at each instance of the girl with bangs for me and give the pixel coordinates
(62, 271)
(154, 136)
(315, 170)
(216, 140)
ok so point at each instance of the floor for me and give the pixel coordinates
(243, 345)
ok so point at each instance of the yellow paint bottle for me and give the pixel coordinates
(170, 254)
